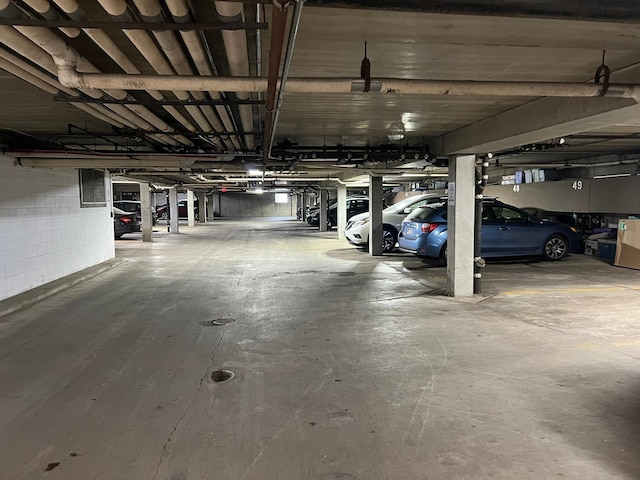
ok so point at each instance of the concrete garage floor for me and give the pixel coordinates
(346, 366)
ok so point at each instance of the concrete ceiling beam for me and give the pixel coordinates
(535, 122)
(626, 11)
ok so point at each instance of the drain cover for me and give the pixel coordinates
(221, 375)
(218, 322)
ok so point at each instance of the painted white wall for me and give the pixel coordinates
(44, 234)
(250, 205)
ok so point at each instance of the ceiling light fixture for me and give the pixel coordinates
(395, 137)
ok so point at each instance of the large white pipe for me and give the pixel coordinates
(91, 110)
(9, 57)
(37, 78)
(181, 14)
(27, 49)
(43, 7)
(100, 38)
(151, 10)
(62, 53)
(23, 46)
(235, 44)
(27, 77)
(387, 86)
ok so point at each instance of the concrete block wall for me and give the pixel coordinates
(252, 205)
(44, 234)
(589, 195)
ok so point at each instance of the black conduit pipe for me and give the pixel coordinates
(478, 261)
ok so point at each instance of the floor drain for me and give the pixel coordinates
(221, 375)
(218, 322)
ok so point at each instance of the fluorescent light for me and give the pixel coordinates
(394, 137)
(613, 175)
(255, 173)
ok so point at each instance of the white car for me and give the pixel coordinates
(357, 231)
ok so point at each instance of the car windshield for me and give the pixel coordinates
(424, 212)
(128, 207)
(401, 205)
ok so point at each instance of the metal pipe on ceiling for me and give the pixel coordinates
(147, 47)
(43, 7)
(293, 34)
(192, 40)
(62, 52)
(26, 76)
(151, 12)
(27, 49)
(98, 163)
(387, 86)
(9, 57)
(235, 43)
(278, 26)
(100, 38)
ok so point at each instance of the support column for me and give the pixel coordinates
(202, 207)
(191, 215)
(300, 205)
(145, 207)
(306, 198)
(460, 225)
(342, 211)
(375, 215)
(173, 210)
(211, 211)
(324, 197)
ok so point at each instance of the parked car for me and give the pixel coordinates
(357, 231)
(355, 205)
(313, 212)
(507, 231)
(133, 206)
(124, 222)
(162, 213)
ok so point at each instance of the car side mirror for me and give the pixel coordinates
(407, 210)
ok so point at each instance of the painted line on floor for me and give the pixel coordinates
(568, 290)
(630, 343)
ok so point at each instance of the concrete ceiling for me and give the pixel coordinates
(319, 136)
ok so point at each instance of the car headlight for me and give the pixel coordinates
(362, 222)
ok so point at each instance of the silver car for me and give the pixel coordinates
(357, 231)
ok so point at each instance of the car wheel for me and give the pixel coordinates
(388, 240)
(555, 248)
(443, 254)
(163, 216)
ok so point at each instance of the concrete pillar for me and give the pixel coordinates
(210, 207)
(173, 210)
(202, 207)
(300, 205)
(342, 211)
(324, 203)
(145, 206)
(191, 215)
(375, 215)
(306, 199)
(460, 225)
